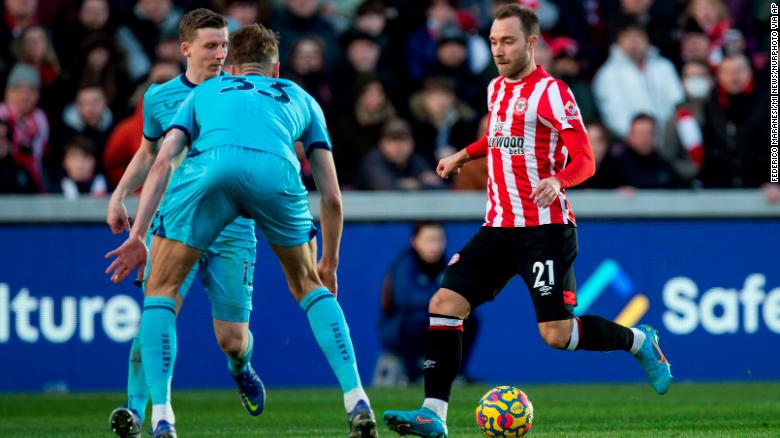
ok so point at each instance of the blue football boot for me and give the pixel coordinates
(164, 429)
(125, 422)
(420, 422)
(653, 361)
(362, 423)
(251, 389)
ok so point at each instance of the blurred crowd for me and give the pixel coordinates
(674, 93)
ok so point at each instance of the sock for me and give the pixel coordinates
(137, 392)
(442, 355)
(332, 334)
(352, 397)
(158, 353)
(162, 412)
(639, 339)
(439, 407)
(599, 334)
(237, 365)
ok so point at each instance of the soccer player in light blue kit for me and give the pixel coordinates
(242, 163)
(227, 268)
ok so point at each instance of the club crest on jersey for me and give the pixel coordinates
(521, 106)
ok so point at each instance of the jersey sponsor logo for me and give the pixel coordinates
(513, 144)
(454, 259)
(171, 104)
(521, 106)
(571, 111)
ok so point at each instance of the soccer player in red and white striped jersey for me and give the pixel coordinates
(534, 128)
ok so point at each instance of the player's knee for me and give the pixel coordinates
(232, 343)
(445, 302)
(554, 336)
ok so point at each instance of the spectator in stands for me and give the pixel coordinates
(370, 18)
(18, 15)
(89, 116)
(659, 18)
(13, 177)
(736, 128)
(301, 18)
(635, 79)
(421, 46)
(695, 47)
(566, 67)
(358, 131)
(307, 67)
(28, 124)
(241, 12)
(474, 174)
(94, 17)
(33, 47)
(639, 164)
(102, 62)
(394, 165)
(79, 173)
(441, 123)
(452, 62)
(411, 280)
(604, 151)
(169, 48)
(359, 63)
(141, 32)
(711, 18)
(683, 144)
(125, 139)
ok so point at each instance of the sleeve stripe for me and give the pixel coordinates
(182, 129)
(317, 145)
(151, 138)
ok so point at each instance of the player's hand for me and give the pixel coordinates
(130, 255)
(329, 278)
(117, 218)
(449, 166)
(546, 192)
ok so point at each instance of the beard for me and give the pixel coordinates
(513, 69)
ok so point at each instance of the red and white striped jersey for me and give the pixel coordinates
(524, 146)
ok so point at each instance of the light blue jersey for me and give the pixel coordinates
(254, 112)
(242, 160)
(161, 102)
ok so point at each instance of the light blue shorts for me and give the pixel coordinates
(226, 271)
(214, 187)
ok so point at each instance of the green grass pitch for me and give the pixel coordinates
(688, 410)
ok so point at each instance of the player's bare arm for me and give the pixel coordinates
(132, 253)
(452, 164)
(134, 176)
(331, 215)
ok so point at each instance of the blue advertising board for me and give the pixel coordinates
(712, 288)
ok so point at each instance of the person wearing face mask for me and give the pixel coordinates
(683, 142)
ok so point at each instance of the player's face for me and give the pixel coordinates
(512, 51)
(207, 51)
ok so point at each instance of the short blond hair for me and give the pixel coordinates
(254, 44)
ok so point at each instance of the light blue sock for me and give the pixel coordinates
(332, 334)
(236, 366)
(158, 346)
(137, 392)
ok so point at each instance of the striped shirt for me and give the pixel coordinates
(524, 146)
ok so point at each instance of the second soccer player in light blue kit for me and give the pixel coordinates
(225, 270)
(242, 162)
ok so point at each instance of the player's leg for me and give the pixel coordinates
(226, 271)
(475, 275)
(330, 330)
(171, 263)
(545, 260)
(127, 421)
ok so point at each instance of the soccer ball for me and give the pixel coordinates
(505, 411)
